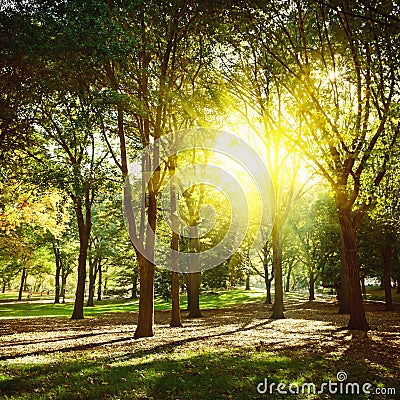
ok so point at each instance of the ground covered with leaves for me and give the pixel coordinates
(224, 355)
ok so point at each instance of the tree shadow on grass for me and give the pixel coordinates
(160, 348)
(207, 359)
(205, 374)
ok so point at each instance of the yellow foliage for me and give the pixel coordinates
(47, 211)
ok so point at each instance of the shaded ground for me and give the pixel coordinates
(221, 356)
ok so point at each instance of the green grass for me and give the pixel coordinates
(13, 296)
(29, 309)
(206, 373)
(378, 294)
(219, 299)
(173, 370)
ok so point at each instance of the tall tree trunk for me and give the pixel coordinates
(268, 280)
(3, 289)
(311, 296)
(146, 268)
(21, 286)
(398, 286)
(278, 307)
(358, 320)
(387, 284)
(56, 252)
(84, 228)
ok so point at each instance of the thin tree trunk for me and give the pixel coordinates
(105, 285)
(56, 252)
(100, 269)
(311, 296)
(63, 284)
(26, 285)
(398, 286)
(3, 289)
(84, 236)
(247, 282)
(363, 289)
(21, 286)
(268, 280)
(278, 307)
(187, 278)
(92, 278)
(358, 320)
(176, 311)
(57, 286)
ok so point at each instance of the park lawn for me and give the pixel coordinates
(205, 373)
(224, 355)
(378, 294)
(208, 300)
(218, 299)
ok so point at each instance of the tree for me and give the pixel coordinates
(342, 86)
(157, 64)
(63, 116)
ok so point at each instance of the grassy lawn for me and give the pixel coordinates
(378, 294)
(212, 300)
(28, 309)
(207, 373)
(224, 355)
